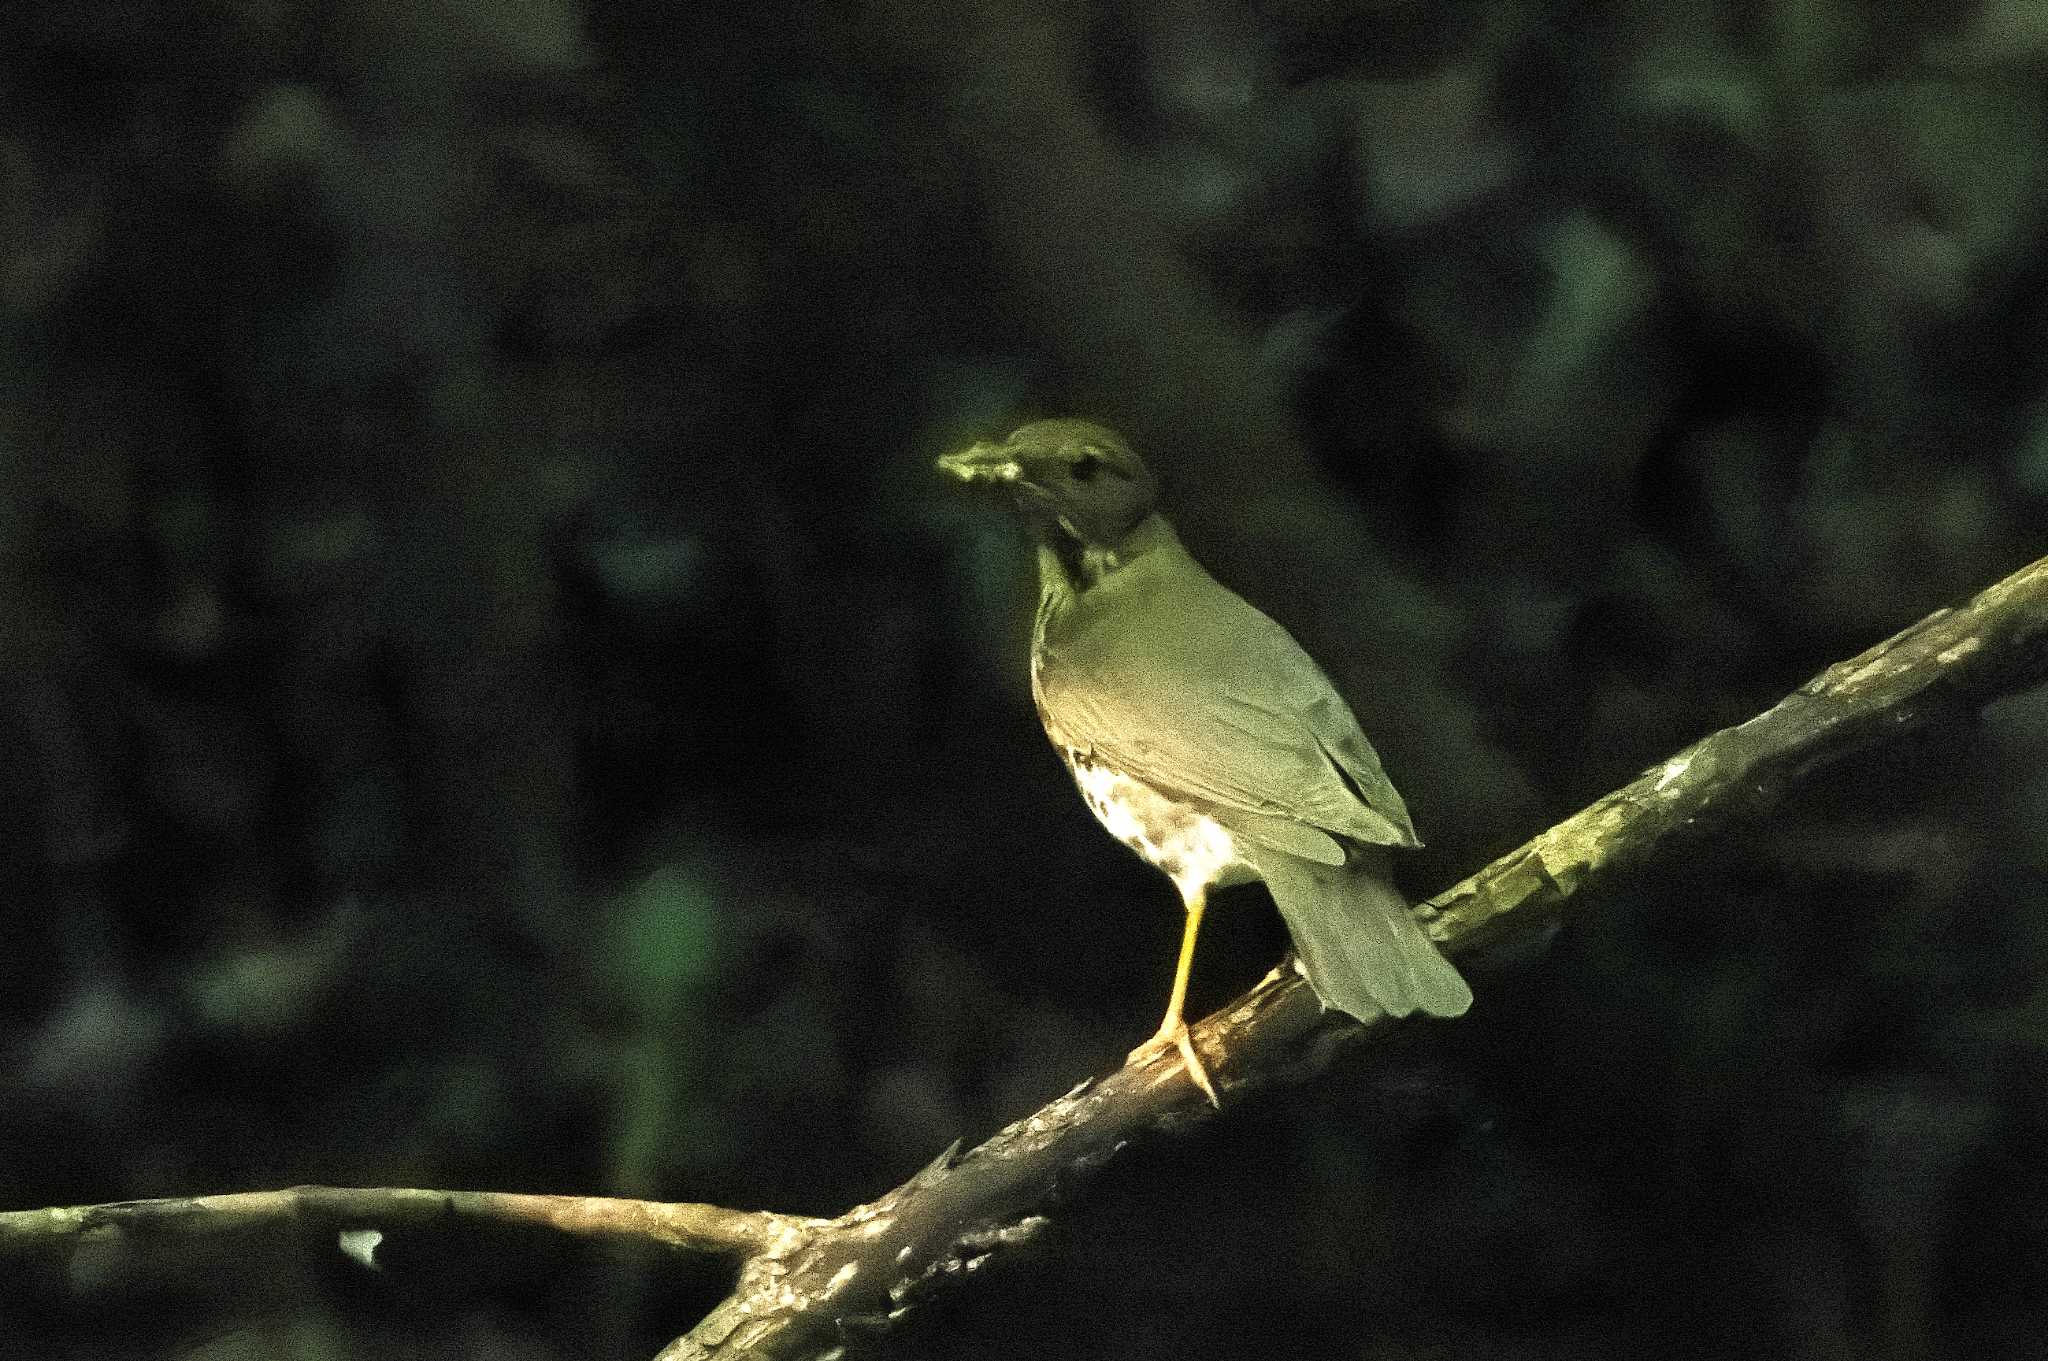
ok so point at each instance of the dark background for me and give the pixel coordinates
(492, 694)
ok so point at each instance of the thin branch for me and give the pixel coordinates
(691, 1228)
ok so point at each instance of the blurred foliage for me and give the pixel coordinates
(490, 694)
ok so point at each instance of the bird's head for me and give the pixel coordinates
(1073, 477)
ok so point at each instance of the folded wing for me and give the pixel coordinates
(1206, 699)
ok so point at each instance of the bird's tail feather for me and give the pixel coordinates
(1360, 947)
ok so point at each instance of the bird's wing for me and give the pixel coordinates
(1203, 697)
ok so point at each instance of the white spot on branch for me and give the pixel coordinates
(360, 1246)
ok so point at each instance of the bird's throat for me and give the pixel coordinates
(1069, 563)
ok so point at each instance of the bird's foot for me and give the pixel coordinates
(1175, 1036)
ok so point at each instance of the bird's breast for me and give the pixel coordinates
(1186, 844)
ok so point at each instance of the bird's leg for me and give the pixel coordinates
(1173, 1031)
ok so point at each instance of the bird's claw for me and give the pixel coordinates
(1179, 1039)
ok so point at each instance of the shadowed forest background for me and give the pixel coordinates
(493, 695)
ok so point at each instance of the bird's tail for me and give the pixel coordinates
(1362, 950)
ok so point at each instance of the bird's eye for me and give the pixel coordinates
(1084, 468)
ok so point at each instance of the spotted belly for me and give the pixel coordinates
(1187, 845)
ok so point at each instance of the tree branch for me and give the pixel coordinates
(690, 1228)
(1950, 663)
(862, 1271)
(808, 1286)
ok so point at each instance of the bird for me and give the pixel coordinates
(1202, 735)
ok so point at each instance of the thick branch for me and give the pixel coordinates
(1951, 662)
(860, 1272)
(697, 1228)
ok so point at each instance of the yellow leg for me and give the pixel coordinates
(1173, 1031)
(1183, 968)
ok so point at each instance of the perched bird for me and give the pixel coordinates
(1202, 736)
